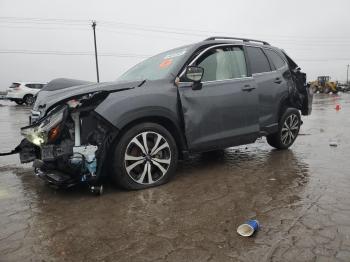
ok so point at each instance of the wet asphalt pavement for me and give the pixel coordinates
(300, 196)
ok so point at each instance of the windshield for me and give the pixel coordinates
(156, 67)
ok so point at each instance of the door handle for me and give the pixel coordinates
(248, 88)
(278, 80)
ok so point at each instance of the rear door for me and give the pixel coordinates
(272, 86)
(224, 112)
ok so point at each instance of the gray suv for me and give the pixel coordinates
(218, 93)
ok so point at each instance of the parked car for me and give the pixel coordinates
(24, 92)
(218, 93)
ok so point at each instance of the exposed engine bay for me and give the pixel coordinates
(70, 143)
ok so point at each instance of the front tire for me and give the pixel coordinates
(145, 156)
(288, 130)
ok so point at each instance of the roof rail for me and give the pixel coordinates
(236, 38)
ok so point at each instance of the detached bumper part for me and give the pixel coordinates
(27, 151)
(56, 178)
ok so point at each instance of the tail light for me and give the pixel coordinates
(15, 86)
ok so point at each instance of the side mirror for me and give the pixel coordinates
(195, 74)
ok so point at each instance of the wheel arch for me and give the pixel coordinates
(26, 95)
(283, 105)
(168, 123)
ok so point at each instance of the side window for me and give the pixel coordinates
(258, 60)
(223, 63)
(275, 58)
(35, 86)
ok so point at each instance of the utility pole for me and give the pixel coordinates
(93, 27)
(347, 75)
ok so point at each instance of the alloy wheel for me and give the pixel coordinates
(290, 129)
(147, 157)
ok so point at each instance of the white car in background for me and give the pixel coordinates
(24, 92)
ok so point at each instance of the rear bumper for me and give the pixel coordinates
(307, 102)
(14, 96)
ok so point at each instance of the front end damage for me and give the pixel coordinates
(70, 144)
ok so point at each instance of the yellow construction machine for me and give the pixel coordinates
(324, 85)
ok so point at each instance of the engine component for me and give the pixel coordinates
(85, 157)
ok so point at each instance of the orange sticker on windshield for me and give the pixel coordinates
(166, 63)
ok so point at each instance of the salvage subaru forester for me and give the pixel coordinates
(211, 95)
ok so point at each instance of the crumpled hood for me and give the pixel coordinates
(63, 88)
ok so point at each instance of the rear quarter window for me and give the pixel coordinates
(34, 86)
(258, 60)
(275, 58)
(14, 85)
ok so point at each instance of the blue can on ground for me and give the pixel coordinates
(248, 228)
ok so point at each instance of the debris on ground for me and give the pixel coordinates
(248, 228)
(335, 144)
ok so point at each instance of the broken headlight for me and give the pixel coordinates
(46, 129)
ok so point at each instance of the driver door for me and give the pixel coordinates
(224, 111)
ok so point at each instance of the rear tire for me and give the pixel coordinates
(288, 130)
(145, 156)
(29, 100)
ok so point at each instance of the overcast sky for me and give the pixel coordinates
(316, 34)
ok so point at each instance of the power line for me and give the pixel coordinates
(162, 29)
(146, 35)
(43, 20)
(293, 43)
(70, 53)
(80, 28)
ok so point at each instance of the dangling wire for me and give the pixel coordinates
(14, 151)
